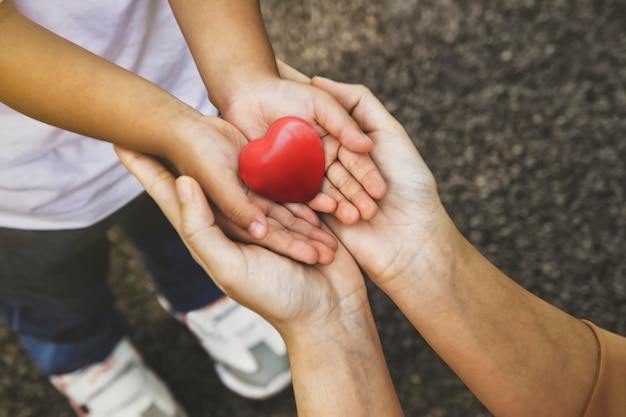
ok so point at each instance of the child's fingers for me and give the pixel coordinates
(303, 212)
(364, 170)
(352, 190)
(323, 203)
(301, 227)
(346, 212)
(231, 199)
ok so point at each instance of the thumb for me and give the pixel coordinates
(231, 199)
(336, 120)
(370, 114)
(290, 73)
(209, 246)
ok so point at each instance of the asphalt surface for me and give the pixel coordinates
(518, 107)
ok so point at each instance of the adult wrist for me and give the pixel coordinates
(338, 325)
(431, 270)
(331, 345)
(340, 369)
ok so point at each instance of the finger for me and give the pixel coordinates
(155, 179)
(288, 72)
(298, 246)
(331, 150)
(300, 210)
(289, 236)
(298, 219)
(334, 118)
(374, 119)
(325, 255)
(219, 256)
(352, 190)
(303, 226)
(323, 203)
(304, 212)
(219, 178)
(230, 196)
(364, 170)
(346, 212)
(359, 101)
(277, 239)
(300, 227)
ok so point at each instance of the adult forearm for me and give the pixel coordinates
(48, 78)
(339, 370)
(229, 43)
(520, 355)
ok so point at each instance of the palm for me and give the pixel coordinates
(387, 244)
(348, 193)
(254, 112)
(213, 162)
(213, 158)
(283, 290)
(280, 289)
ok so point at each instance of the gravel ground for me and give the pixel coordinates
(519, 108)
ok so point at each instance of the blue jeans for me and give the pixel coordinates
(54, 292)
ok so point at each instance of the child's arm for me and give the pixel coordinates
(230, 45)
(48, 78)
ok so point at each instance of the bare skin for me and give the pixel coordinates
(520, 355)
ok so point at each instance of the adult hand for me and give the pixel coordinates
(353, 182)
(251, 95)
(211, 154)
(520, 355)
(289, 294)
(322, 312)
(412, 229)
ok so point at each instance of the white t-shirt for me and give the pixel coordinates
(54, 179)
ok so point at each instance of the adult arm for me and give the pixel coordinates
(322, 312)
(520, 355)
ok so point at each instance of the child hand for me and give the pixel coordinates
(212, 157)
(289, 294)
(353, 182)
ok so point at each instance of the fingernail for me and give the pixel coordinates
(367, 139)
(257, 230)
(321, 79)
(183, 187)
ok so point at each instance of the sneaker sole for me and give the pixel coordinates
(253, 392)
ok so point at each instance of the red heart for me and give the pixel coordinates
(287, 164)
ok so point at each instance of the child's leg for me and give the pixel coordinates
(53, 294)
(176, 275)
(249, 354)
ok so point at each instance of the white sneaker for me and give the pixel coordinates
(250, 355)
(121, 386)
